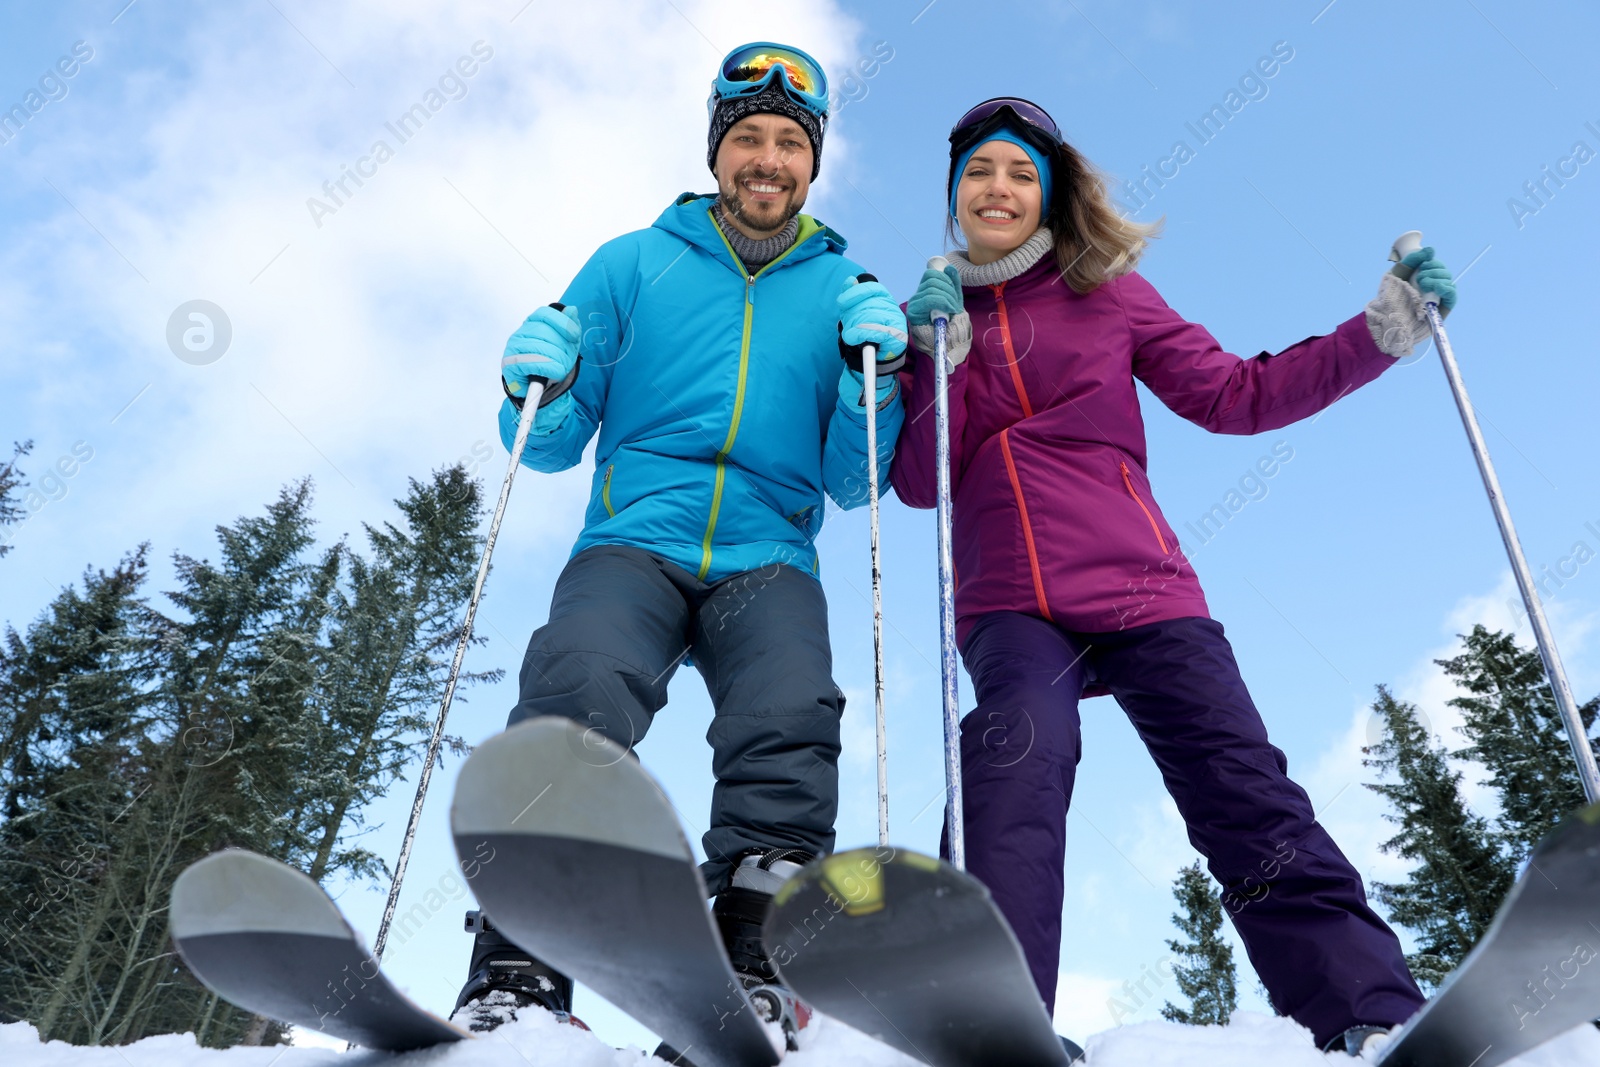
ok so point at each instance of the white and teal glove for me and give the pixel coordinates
(940, 291)
(1395, 317)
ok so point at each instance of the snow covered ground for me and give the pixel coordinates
(1251, 1040)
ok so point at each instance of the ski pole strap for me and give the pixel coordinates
(853, 357)
(551, 390)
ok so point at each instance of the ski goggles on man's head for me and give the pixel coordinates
(748, 70)
(1023, 115)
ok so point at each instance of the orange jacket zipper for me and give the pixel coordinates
(1011, 354)
(1128, 481)
(1027, 527)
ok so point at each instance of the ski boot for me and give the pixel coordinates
(1361, 1042)
(740, 910)
(503, 979)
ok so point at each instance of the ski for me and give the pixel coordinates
(265, 937)
(913, 952)
(577, 855)
(1533, 976)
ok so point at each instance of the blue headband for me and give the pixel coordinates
(1039, 162)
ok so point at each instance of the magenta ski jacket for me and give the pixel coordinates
(1052, 506)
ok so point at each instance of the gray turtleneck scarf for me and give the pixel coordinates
(752, 253)
(1003, 269)
(1008, 266)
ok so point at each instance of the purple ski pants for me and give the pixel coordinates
(1326, 958)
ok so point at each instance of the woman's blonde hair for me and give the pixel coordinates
(1094, 242)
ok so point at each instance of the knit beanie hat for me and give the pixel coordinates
(770, 101)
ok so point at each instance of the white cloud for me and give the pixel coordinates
(1083, 1004)
(1353, 814)
(1162, 845)
(366, 349)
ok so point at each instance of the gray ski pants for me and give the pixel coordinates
(622, 620)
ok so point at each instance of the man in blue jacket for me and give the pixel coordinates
(705, 351)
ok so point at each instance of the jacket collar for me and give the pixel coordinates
(690, 218)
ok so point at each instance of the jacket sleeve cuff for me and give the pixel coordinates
(958, 338)
(1395, 318)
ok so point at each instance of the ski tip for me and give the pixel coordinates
(554, 777)
(235, 891)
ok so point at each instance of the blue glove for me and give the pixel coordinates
(1431, 276)
(544, 346)
(939, 290)
(868, 315)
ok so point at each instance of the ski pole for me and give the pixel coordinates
(1588, 772)
(955, 823)
(869, 376)
(530, 410)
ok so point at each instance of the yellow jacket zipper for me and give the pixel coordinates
(738, 396)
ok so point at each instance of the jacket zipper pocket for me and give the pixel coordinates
(605, 492)
(1127, 480)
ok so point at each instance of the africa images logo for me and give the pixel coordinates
(452, 85)
(53, 85)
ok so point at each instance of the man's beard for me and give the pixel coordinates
(763, 218)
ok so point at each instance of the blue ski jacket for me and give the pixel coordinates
(715, 393)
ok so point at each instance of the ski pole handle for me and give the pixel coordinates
(542, 383)
(1403, 246)
(869, 354)
(530, 411)
(939, 263)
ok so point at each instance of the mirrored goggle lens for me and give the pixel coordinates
(752, 64)
(1026, 110)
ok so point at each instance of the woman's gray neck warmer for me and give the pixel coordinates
(1008, 266)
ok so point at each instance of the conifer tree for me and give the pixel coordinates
(11, 512)
(1515, 730)
(393, 627)
(72, 711)
(1207, 975)
(1461, 874)
(287, 691)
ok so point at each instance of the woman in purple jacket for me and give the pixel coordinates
(1070, 583)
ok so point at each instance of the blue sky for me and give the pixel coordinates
(177, 160)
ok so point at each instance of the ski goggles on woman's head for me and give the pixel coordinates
(748, 70)
(1023, 115)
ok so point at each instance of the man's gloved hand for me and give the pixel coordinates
(1395, 317)
(868, 315)
(544, 346)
